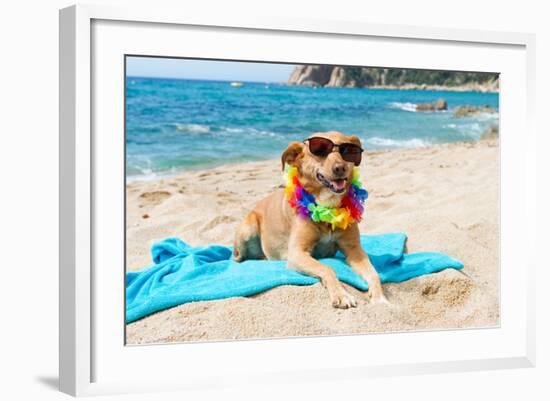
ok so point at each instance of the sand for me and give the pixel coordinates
(445, 198)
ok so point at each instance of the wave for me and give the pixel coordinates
(487, 116)
(193, 128)
(396, 143)
(473, 130)
(258, 132)
(205, 129)
(136, 172)
(233, 130)
(248, 131)
(403, 106)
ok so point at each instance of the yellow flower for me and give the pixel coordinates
(341, 219)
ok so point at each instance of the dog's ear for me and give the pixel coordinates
(292, 153)
(355, 140)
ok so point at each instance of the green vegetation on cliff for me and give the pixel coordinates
(336, 76)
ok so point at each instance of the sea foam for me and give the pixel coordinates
(193, 128)
(403, 106)
(396, 143)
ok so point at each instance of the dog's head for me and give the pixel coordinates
(327, 177)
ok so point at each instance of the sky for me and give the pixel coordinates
(207, 70)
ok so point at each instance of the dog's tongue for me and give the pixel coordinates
(339, 184)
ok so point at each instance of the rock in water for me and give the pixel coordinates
(491, 133)
(438, 105)
(467, 111)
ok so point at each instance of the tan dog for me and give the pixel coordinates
(274, 231)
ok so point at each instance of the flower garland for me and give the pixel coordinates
(350, 210)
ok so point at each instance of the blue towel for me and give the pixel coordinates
(182, 273)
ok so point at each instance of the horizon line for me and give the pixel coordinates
(205, 79)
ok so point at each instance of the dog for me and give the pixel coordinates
(274, 229)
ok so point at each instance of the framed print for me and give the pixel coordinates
(284, 200)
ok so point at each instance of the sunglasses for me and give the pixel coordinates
(322, 147)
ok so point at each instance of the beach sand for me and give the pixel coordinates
(445, 198)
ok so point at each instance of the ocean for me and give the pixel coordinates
(174, 125)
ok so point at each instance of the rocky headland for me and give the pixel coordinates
(392, 78)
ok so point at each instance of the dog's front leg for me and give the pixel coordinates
(301, 242)
(360, 263)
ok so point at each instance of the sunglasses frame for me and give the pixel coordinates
(337, 146)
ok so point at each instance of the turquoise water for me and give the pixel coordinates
(174, 125)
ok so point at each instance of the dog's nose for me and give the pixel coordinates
(339, 169)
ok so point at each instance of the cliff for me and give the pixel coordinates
(361, 77)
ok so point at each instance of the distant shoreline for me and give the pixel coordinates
(438, 88)
(478, 88)
(423, 87)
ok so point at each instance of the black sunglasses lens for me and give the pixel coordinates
(351, 153)
(320, 146)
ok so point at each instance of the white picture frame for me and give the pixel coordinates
(89, 348)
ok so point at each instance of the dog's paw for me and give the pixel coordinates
(343, 299)
(237, 255)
